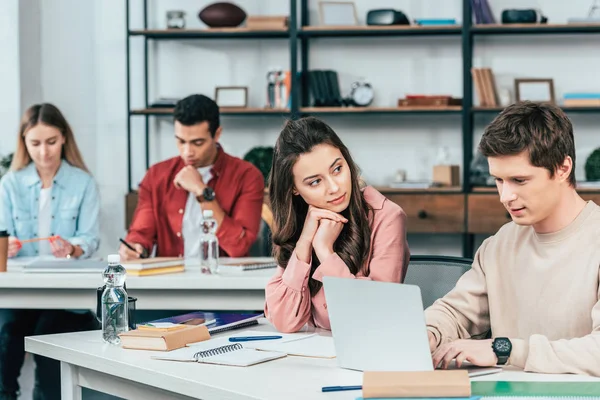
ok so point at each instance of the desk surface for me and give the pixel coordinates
(191, 278)
(289, 378)
(188, 290)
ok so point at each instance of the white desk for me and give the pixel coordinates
(88, 362)
(189, 290)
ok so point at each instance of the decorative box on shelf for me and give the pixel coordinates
(267, 22)
(429, 101)
(446, 175)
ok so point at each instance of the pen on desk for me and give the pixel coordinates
(130, 247)
(249, 338)
(340, 388)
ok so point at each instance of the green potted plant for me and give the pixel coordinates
(592, 166)
(5, 164)
(262, 158)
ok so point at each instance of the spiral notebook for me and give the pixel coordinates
(234, 355)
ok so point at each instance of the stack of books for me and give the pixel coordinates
(579, 99)
(485, 87)
(154, 266)
(482, 12)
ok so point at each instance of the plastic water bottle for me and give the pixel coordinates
(115, 319)
(209, 244)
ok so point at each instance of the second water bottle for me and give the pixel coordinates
(209, 244)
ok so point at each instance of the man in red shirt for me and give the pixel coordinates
(174, 193)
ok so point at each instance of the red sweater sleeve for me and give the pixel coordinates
(143, 225)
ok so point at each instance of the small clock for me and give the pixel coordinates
(361, 94)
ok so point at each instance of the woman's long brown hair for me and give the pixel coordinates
(50, 115)
(289, 210)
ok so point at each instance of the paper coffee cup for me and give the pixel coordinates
(3, 250)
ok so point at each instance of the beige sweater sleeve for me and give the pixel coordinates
(463, 313)
(576, 356)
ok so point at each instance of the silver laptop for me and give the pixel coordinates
(380, 326)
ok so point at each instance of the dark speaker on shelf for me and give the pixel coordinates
(528, 16)
(386, 16)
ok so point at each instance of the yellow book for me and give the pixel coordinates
(155, 271)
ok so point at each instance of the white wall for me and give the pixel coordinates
(9, 75)
(30, 52)
(83, 71)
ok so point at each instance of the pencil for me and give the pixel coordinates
(38, 239)
(130, 247)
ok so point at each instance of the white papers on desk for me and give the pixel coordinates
(292, 344)
(51, 264)
(310, 346)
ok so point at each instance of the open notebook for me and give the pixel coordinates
(233, 355)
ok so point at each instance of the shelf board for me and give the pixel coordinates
(495, 191)
(511, 29)
(222, 111)
(399, 30)
(391, 190)
(484, 190)
(566, 109)
(213, 33)
(381, 110)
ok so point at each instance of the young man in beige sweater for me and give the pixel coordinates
(533, 286)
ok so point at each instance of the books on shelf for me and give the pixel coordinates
(587, 99)
(485, 87)
(482, 12)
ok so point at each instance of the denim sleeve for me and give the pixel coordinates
(87, 233)
(6, 219)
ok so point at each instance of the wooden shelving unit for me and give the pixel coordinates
(494, 190)
(215, 33)
(461, 210)
(433, 190)
(223, 110)
(380, 110)
(402, 30)
(568, 109)
(511, 29)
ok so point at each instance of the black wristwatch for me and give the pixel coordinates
(208, 194)
(502, 347)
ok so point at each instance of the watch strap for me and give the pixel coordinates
(502, 359)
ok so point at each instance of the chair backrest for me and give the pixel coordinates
(263, 246)
(435, 275)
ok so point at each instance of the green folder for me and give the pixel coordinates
(535, 389)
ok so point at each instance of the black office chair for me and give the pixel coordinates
(435, 275)
(263, 246)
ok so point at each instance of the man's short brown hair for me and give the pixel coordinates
(543, 130)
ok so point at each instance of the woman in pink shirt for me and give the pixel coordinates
(325, 224)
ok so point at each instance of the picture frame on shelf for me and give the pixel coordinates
(231, 96)
(537, 90)
(337, 13)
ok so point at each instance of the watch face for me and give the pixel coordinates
(502, 346)
(208, 194)
(363, 95)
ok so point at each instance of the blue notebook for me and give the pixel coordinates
(215, 321)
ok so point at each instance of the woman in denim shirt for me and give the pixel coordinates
(48, 193)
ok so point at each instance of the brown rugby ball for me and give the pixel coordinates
(222, 15)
